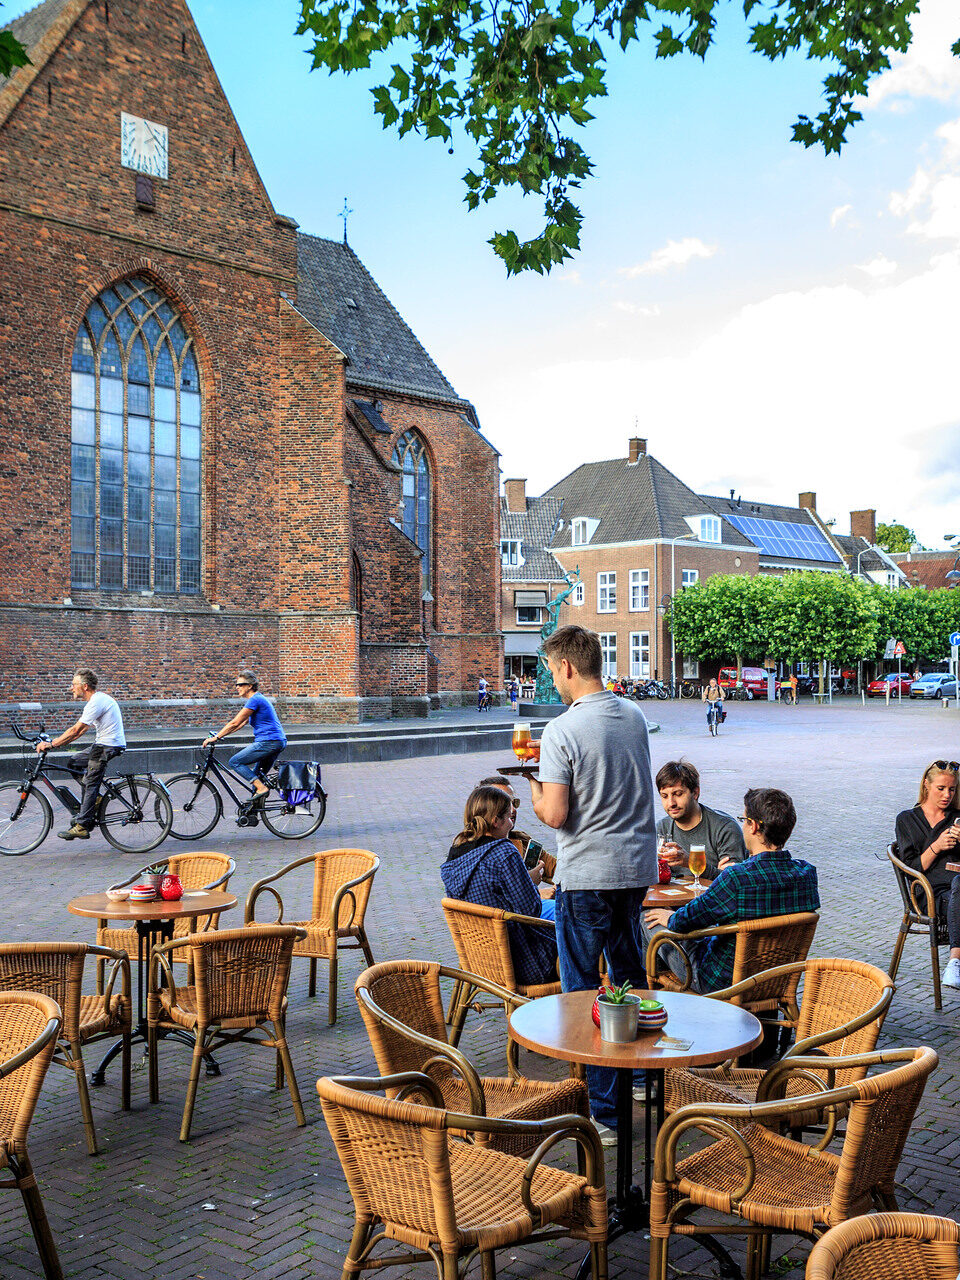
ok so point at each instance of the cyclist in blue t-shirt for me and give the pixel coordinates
(268, 737)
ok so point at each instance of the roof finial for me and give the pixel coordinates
(345, 215)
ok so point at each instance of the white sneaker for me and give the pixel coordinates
(608, 1136)
(951, 974)
(640, 1093)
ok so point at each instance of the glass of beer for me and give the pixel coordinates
(697, 862)
(521, 741)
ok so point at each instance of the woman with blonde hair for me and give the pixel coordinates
(484, 867)
(928, 839)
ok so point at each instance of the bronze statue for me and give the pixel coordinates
(546, 690)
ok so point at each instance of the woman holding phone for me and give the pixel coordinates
(928, 839)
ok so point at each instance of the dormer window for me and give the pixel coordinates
(579, 535)
(510, 552)
(709, 528)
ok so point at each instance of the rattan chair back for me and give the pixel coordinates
(53, 969)
(335, 868)
(888, 1246)
(919, 916)
(24, 1017)
(835, 993)
(241, 973)
(482, 940)
(409, 991)
(766, 943)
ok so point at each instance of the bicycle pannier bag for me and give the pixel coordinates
(299, 780)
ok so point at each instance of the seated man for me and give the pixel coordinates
(768, 883)
(688, 822)
(541, 873)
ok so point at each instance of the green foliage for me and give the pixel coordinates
(12, 54)
(725, 617)
(922, 619)
(518, 77)
(895, 537)
(617, 995)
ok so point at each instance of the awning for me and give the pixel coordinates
(518, 643)
(529, 599)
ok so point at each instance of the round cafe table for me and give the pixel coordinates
(154, 923)
(699, 1032)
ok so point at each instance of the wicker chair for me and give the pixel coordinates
(888, 1246)
(196, 871)
(241, 982)
(765, 946)
(773, 1183)
(919, 916)
(29, 1026)
(841, 1013)
(55, 969)
(482, 940)
(449, 1201)
(340, 876)
(403, 1010)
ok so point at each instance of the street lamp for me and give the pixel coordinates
(673, 591)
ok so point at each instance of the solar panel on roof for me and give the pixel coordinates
(783, 538)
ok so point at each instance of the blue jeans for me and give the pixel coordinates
(262, 754)
(591, 923)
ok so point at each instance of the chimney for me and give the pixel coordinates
(638, 449)
(808, 500)
(863, 524)
(516, 491)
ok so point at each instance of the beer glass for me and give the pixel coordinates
(697, 862)
(521, 741)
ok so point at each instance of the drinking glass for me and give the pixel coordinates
(521, 741)
(697, 863)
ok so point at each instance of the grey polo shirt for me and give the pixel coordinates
(600, 749)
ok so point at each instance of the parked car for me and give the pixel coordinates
(935, 684)
(754, 680)
(899, 685)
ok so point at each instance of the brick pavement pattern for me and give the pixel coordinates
(253, 1195)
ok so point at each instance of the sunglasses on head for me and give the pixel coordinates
(949, 766)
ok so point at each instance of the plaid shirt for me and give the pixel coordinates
(769, 884)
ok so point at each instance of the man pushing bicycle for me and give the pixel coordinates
(102, 713)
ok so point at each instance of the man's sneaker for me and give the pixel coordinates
(608, 1136)
(951, 974)
(76, 832)
(640, 1093)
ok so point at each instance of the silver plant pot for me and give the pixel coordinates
(618, 1022)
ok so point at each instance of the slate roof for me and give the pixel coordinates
(32, 26)
(633, 503)
(339, 297)
(535, 528)
(864, 553)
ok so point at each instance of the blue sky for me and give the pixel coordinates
(769, 318)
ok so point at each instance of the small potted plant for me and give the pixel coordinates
(618, 1008)
(154, 874)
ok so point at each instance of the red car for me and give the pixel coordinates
(898, 685)
(754, 680)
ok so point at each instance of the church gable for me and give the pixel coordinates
(121, 125)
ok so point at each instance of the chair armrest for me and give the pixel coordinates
(345, 889)
(121, 964)
(159, 960)
(442, 1051)
(515, 918)
(215, 884)
(863, 1019)
(407, 1082)
(122, 884)
(748, 984)
(485, 984)
(50, 1032)
(660, 939)
(919, 881)
(249, 910)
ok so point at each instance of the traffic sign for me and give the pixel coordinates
(900, 651)
(889, 650)
(954, 639)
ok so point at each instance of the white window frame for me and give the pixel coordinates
(579, 533)
(607, 592)
(608, 651)
(691, 669)
(579, 594)
(689, 578)
(709, 528)
(893, 580)
(639, 590)
(639, 655)
(510, 553)
(530, 622)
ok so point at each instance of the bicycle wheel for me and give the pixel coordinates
(293, 822)
(137, 816)
(31, 826)
(197, 807)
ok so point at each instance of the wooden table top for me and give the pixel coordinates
(562, 1027)
(672, 895)
(198, 903)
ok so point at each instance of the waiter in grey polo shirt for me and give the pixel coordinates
(594, 788)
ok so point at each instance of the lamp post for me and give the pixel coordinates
(673, 591)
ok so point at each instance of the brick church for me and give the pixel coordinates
(222, 445)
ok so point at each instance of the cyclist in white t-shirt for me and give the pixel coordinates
(101, 713)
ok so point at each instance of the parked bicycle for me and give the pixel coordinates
(133, 810)
(690, 688)
(288, 812)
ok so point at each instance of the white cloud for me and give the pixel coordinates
(932, 201)
(839, 214)
(928, 69)
(636, 309)
(675, 253)
(879, 268)
(567, 277)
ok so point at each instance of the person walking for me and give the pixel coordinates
(594, 788)
(102, 714)
(713, 697)
(252, 761)
(514, 694)
(482, 694)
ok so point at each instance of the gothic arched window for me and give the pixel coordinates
(135, 432)
(410, 455)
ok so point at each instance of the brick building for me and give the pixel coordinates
(260, 463)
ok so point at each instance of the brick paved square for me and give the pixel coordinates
(281, 1206)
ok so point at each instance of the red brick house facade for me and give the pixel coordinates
(207, 414)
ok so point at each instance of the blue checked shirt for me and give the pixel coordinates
(769, 884)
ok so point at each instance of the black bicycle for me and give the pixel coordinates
(134, 811)
(198, 805)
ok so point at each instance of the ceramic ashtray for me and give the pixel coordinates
(118, 895)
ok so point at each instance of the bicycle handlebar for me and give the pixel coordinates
(17, 731)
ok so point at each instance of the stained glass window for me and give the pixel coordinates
(136, 446)
(410, 455)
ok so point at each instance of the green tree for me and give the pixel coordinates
(518, 77)
(12, 53)
(895, 537)
(827, 616)
(726, 617)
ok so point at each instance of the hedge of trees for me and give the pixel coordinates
(810, 616)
